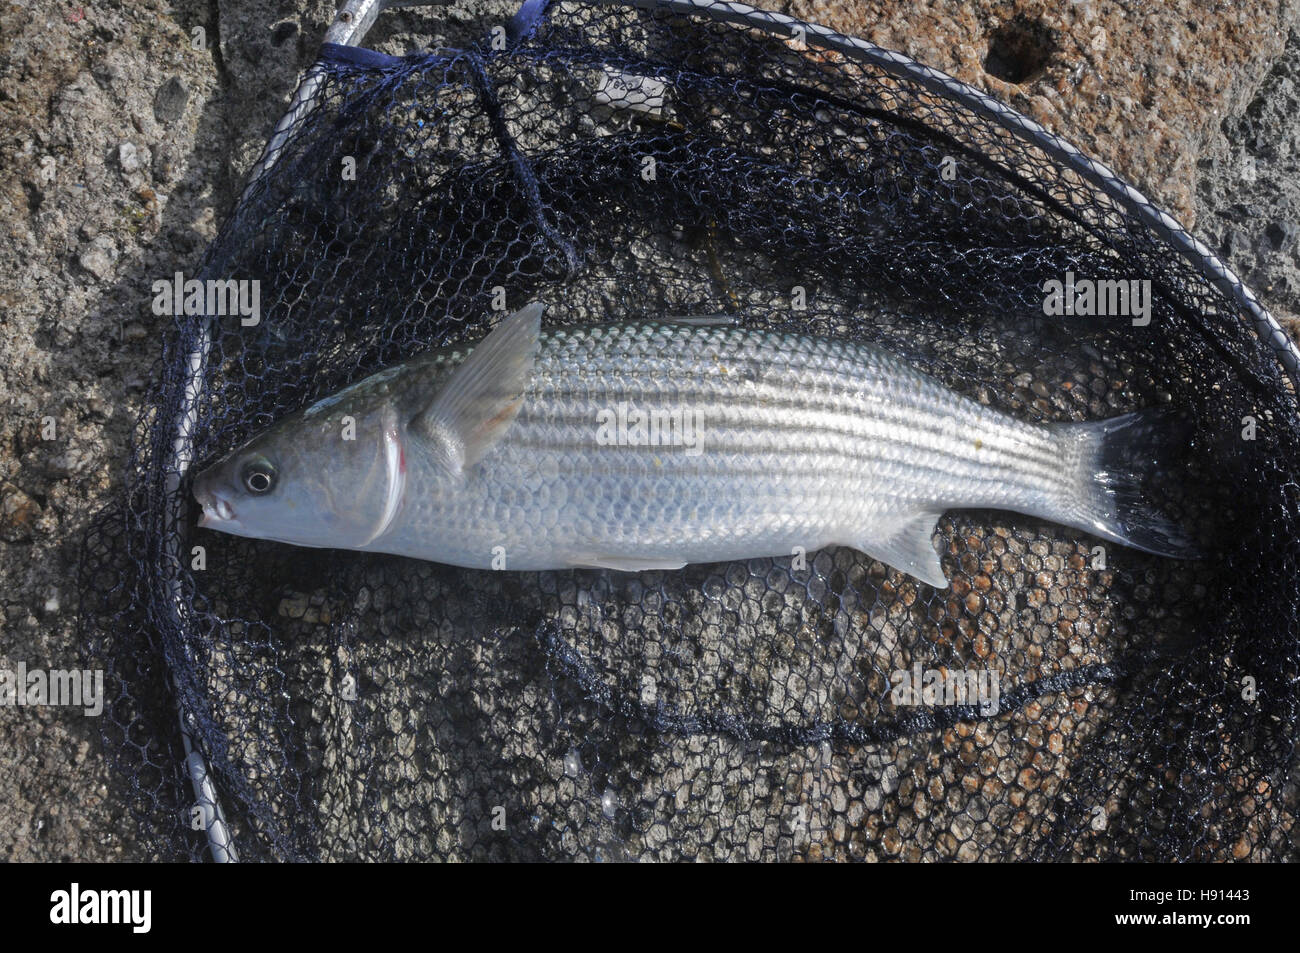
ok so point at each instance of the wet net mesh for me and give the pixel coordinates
(613, 163)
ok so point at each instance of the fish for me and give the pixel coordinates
(650, 445)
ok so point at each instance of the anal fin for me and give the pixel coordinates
(907, 544)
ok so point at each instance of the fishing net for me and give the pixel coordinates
(617, 161)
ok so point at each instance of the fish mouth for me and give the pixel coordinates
(217, 511)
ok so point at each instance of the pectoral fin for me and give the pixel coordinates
(483, 396)
(907, 544)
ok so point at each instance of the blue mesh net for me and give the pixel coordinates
(616, 161)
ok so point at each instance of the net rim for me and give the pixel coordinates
(351, 24)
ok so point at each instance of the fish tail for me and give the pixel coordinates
(1110, 464)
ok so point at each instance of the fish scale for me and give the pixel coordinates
(758, 480)
(500, 456)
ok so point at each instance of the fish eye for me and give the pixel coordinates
(258, 477)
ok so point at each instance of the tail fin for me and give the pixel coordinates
(1113, 460)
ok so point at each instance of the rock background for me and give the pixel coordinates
(124, 142)
(1193, 102)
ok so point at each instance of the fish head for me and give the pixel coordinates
(327, 477)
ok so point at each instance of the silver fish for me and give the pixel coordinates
(651, 445)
